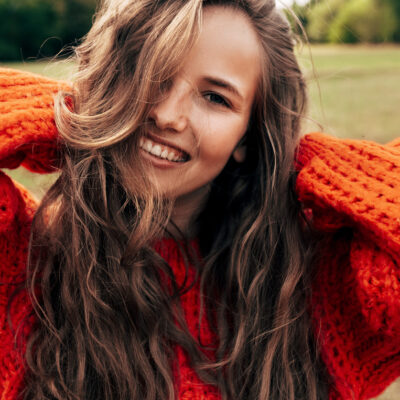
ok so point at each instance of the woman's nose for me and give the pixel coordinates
(171, 111)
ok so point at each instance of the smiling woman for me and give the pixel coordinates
(205, 112)
(193, 246)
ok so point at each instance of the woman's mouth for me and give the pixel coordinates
(162, 151)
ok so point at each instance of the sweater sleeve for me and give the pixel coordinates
(356, 184)
(28, 135)
(16, 212)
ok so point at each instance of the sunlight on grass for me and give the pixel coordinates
(391, 393)
(355, 91)
(59, 69)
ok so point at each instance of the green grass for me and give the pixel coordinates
(391, 393)
(61, 69)
(354, 91)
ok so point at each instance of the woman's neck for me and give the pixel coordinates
(185, 211)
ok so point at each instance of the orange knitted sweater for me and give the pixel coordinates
(346, 183)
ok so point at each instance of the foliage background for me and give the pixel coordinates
(348, 21)
(32, 29)
(41, 28)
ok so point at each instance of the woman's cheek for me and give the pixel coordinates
(217, 133)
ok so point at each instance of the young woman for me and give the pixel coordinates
(193, 247)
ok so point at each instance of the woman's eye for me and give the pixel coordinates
(165, 86)
(216, 99)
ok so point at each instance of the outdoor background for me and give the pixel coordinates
(350, 54)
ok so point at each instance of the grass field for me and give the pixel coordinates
(354, 92)
(61, 69)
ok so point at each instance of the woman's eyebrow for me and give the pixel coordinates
(223, 84)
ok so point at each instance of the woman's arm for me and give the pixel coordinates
(28, 137)
(357, 184)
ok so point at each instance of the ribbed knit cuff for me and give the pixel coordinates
(357, 184)
(357, 180)
(28, 134)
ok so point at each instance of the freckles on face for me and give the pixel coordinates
(199, 123)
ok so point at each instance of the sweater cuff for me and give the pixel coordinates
(28, 135)
(355, 182)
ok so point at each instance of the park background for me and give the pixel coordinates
(349, 51)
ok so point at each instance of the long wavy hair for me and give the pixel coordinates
(106, 324)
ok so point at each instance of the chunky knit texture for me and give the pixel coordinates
(27, 129)
(352, 189)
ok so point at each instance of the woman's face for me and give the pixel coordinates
(197, 126)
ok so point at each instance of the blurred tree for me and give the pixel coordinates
(297, 16)
(395, 4)
(76, 19)
(26, 29)
(320, 17)
(40, 28)
(369, 21)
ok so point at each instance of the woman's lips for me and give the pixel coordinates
(163, 151)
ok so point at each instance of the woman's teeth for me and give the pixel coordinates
(160, 151)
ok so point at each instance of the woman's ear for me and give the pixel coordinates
(239, 154)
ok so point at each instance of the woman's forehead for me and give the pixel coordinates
(227, 48)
